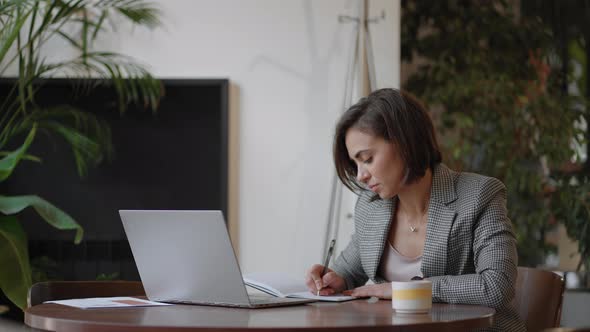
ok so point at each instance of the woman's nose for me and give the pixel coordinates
(362, 175)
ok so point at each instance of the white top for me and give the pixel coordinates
(397, 267)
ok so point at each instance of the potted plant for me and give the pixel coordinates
(25, 27)
(495, 79)
(571, 204)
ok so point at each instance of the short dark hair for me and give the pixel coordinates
(396, 116)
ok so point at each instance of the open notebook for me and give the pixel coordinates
(281, 285)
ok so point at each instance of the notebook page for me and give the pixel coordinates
(278, 283)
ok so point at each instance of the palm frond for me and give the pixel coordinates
(87, 135)
(9, 33)
(7, 6)
(141, 15)
(11, 110)
(9, 162)
(98, 24)
(65, 9)
(132, 81)
(25, 156)
(137, 11)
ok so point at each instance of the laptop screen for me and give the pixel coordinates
(184, 256)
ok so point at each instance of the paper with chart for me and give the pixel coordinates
(108, 302)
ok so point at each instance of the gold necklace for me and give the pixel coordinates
(415, 229)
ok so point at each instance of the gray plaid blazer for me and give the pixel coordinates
(470, 248)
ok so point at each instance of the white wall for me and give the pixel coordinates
(286, 61)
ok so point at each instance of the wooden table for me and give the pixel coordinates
(359, 315)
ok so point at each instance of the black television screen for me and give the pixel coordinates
(174, 159)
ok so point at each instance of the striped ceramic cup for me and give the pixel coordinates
(411, 296)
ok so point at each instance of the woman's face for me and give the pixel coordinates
(379, 165)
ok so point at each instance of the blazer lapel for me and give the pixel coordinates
(440, 221)
(376, 235)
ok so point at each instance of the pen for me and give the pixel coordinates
(327, 260)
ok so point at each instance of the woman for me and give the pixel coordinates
(416, 217)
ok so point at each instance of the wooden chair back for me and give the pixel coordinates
(62, 290)
(538, 298)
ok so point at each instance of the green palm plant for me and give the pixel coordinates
(25, 28)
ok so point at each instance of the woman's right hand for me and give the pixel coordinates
(330, 284)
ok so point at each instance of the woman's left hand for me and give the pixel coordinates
(382, 291)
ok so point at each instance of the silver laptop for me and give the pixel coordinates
(187, 257)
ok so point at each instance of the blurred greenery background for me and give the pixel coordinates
(507, 85)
